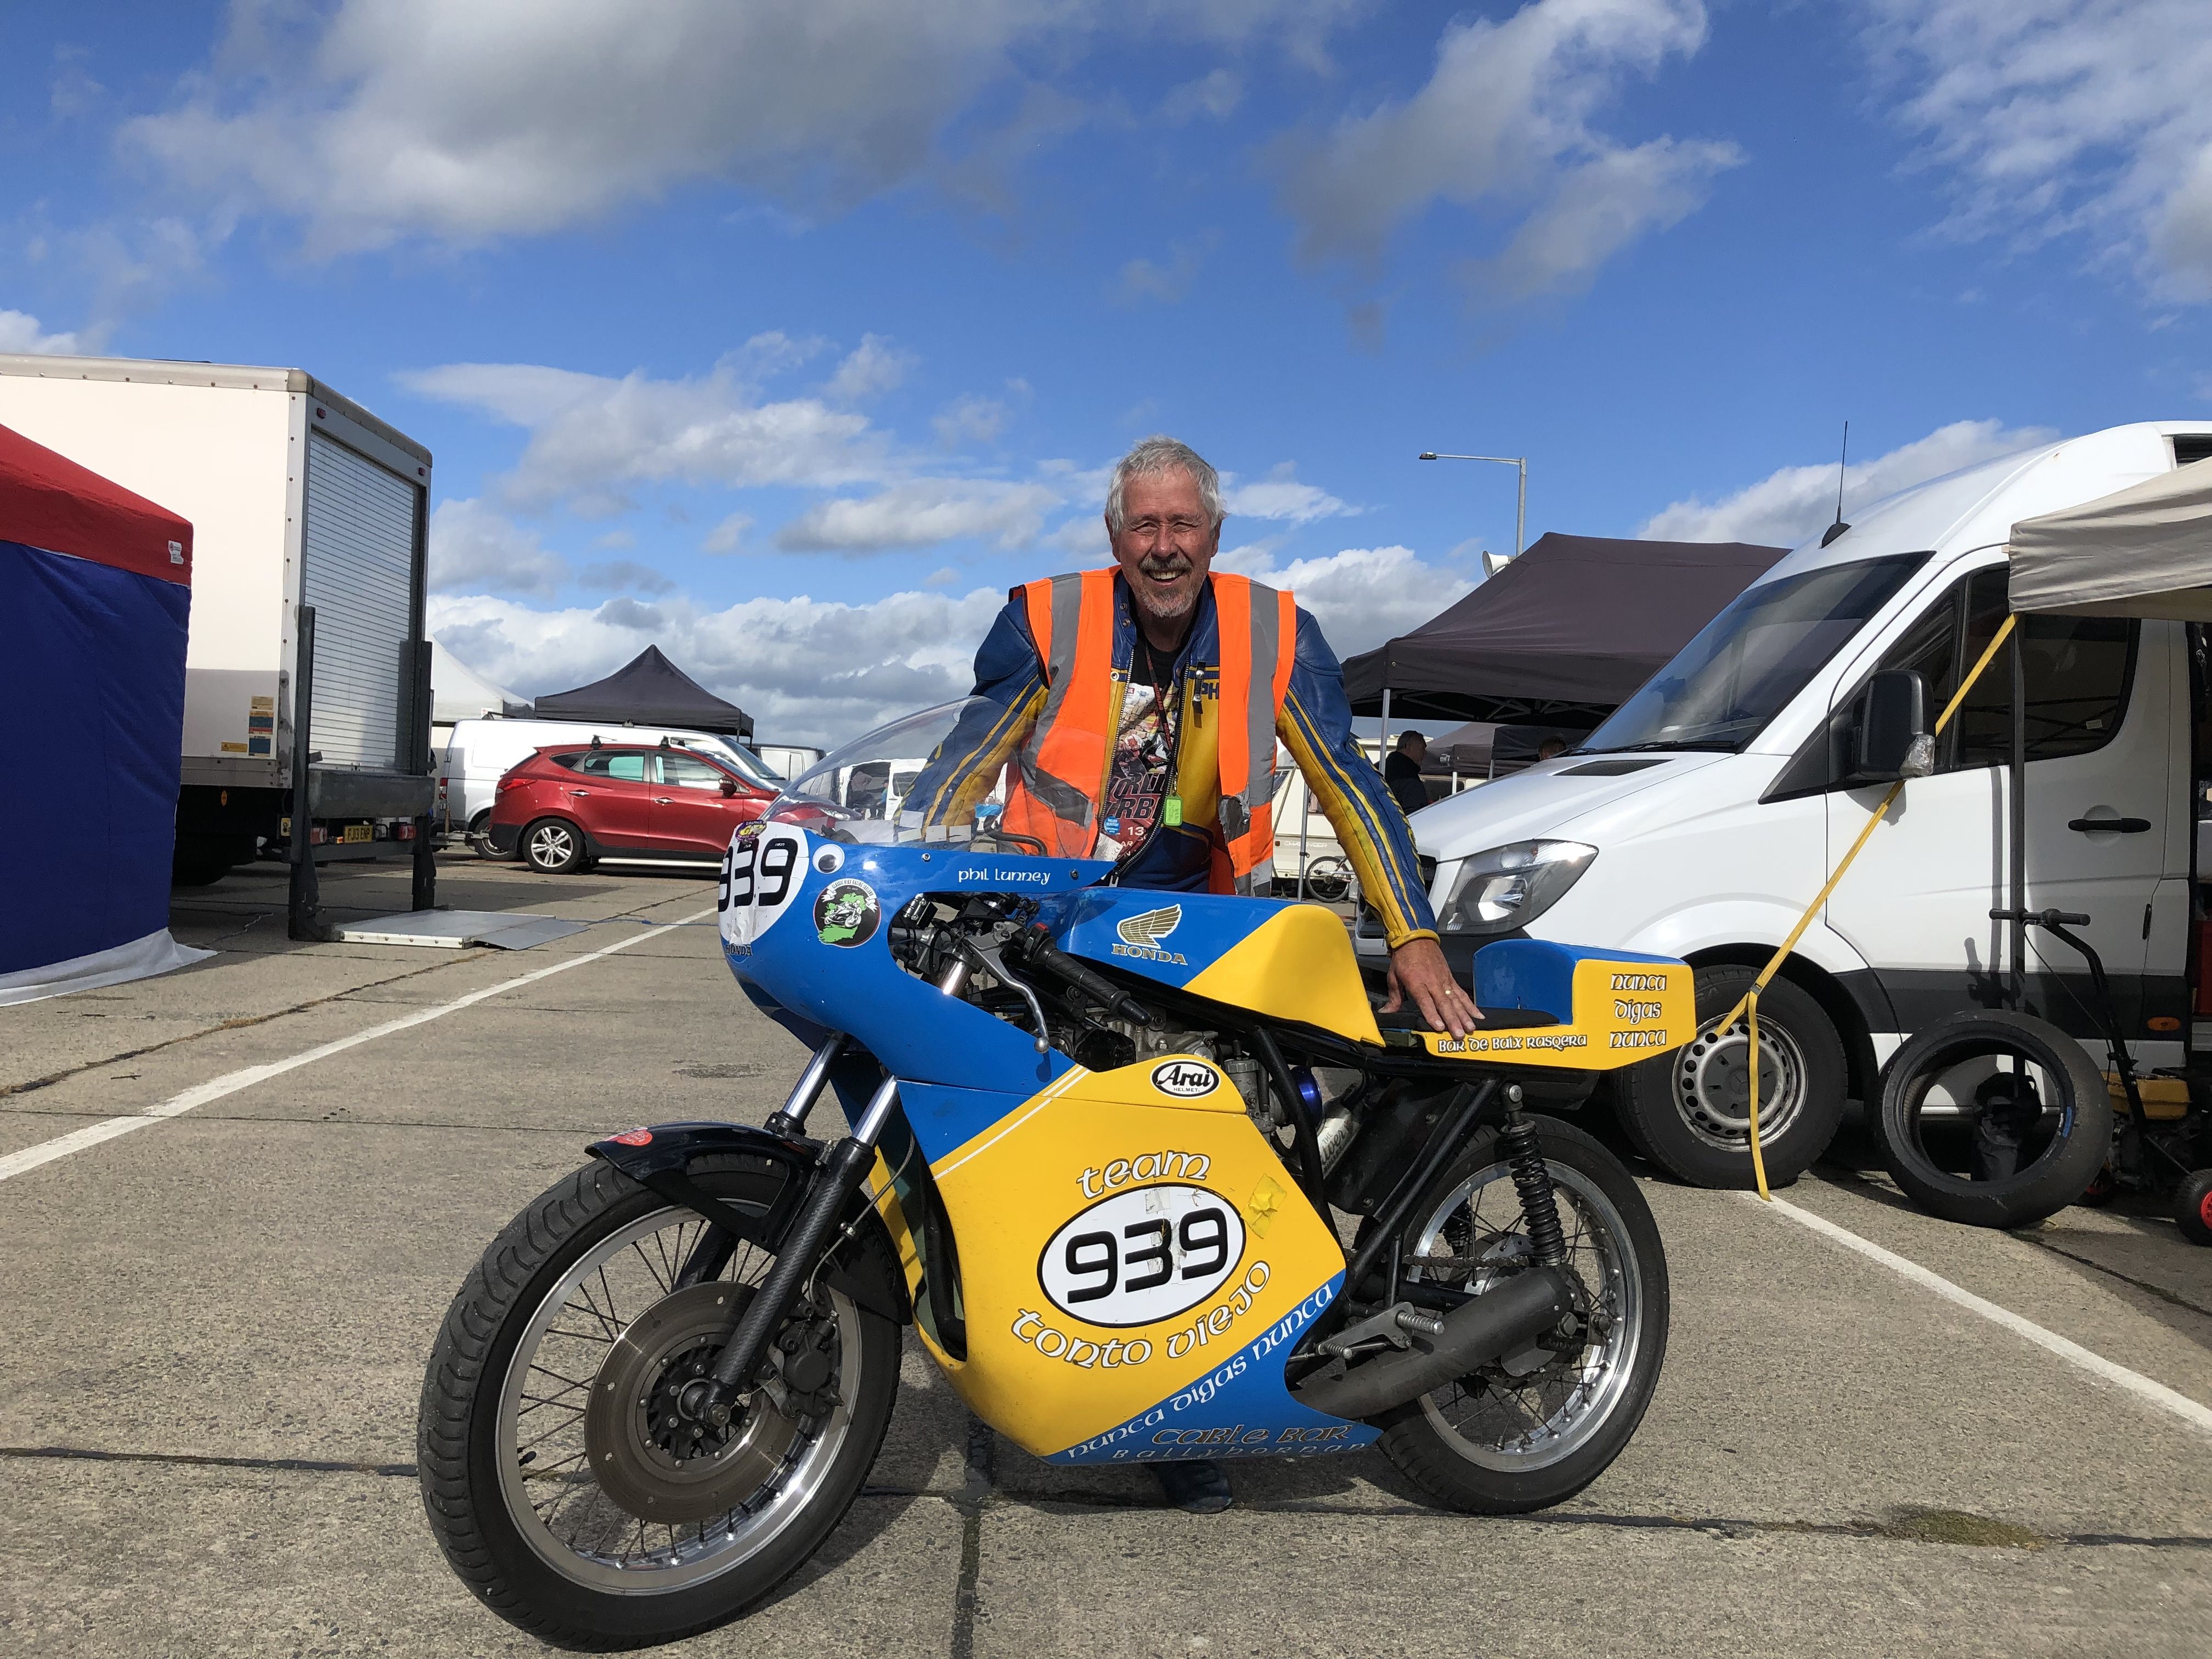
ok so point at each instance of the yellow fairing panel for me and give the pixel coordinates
(1297, 965)
(1625, 1011)
(1121, 1236)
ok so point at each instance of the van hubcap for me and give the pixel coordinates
(1712, 1084)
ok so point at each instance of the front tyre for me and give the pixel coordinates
(1689, 1110)
(565, 1478)
(554, 846)
(1537, 1427)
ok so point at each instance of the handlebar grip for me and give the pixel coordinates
(2042, 918)
(1041, 950)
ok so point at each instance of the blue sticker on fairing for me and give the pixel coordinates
(1238, 1409)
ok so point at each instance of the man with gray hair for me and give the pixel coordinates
(1141, 705)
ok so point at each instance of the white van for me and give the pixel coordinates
(1703, 816)
(479, 753)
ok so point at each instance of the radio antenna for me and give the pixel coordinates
(1839, 527)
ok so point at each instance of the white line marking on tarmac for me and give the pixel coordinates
(2156, 1393)
(201, 1094)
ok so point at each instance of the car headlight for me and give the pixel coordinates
(1510, 886)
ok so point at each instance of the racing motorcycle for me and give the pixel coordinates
(1146, 1172)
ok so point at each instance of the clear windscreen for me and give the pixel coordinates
(1722, 688)
(951, 774)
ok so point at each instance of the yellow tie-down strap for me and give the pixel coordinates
(1623, 1012)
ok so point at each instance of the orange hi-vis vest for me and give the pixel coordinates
(1061, 770)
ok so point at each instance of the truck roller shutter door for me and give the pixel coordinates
(360, 555)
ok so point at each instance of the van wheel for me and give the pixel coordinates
(478, 834)
(553, 846)
(1688, 1111)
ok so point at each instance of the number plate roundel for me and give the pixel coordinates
(761, 874)
(1142, 1255)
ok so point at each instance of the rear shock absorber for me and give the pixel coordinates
(1532, 1180)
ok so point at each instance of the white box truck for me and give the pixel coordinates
(304, 507)
(1705, 814)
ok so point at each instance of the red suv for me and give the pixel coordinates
(567, 807)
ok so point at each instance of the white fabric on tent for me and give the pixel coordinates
(2144, 551)
(458, 692)
(156, 953)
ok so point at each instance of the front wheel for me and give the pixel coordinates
(1535, 1428)
(566, 1474)
(1689, 1111)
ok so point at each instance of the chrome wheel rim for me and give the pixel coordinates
(1712, 1084)
(1528, 1413)
(574, 1341)
(551, 845)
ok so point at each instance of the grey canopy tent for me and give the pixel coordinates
(1562, 635)
(2144, 551)
(649, 691)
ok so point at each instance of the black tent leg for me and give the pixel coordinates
(2016, 877)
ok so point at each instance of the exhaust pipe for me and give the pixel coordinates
(1498, 1323)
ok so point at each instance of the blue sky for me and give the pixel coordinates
(788, 334)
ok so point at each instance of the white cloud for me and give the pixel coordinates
(20, 332)
(1505, 123)
(474, 548)
(872, 367)
(1788, 506)
(921, 513)
(376, 120)
(970, 419)
(1168, 281)
(728, 536)
(1216, 93)
(1280, 495)
(2066, 118)
(1361, 596)
(625, 573)
(592, 437)
(807, 670)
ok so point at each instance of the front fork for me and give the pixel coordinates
(798, 1252)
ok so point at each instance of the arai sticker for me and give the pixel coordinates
(1186, 1079)
(1142, 1255)
(846, 912)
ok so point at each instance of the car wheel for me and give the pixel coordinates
(1688, 1111)
(553, 846)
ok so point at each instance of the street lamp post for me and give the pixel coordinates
(1521, 513)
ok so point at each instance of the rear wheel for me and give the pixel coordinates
(553, 846)
(566, 1473)
(1689, 1110)
(478, 834)
(2192, 1208)
(1537, 1427)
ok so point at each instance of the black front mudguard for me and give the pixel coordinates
(863, 1265)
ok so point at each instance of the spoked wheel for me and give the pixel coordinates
(1537, 1427)
(568, 1471)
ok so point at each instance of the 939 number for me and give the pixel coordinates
(1142, 1254)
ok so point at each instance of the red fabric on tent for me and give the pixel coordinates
(49, 502)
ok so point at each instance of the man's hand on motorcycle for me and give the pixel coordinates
(1418, 968)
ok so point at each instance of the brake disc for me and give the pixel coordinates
(651, 1451)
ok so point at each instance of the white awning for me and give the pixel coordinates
(2145, 551)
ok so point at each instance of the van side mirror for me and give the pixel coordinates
(729, 786)
(1893, 741)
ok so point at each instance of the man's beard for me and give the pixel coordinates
(1165, 607)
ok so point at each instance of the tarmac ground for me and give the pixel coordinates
(218, 1319)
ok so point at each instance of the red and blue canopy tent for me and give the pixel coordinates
(96, 591)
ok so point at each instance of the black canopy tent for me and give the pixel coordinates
(649, 690)
(1561, 636)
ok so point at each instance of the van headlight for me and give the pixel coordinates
(1511, 886)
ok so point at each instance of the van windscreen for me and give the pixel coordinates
(1749, 662)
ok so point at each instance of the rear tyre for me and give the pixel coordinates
(553, 846)
(1536, 1428)
(625, 1520)
(478, 834)
(2003, 1156)
(1689, 1110)
(2192, 1208)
